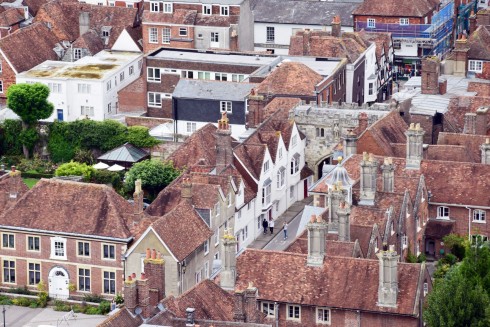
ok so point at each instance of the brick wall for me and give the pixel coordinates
(426, 122)
(388, 20)
(7, 77)
(148, 122)
(482, 88)
(485, 74)
(133, 97)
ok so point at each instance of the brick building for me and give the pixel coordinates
(66, 233)
(192, 24)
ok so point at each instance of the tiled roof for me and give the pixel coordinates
(167, 199)
(332, 247)
(391, 8)
(34, 5)
(182, 230)
(11, 17)
(209, 299)
(471, 142)
(125, 153)
(17, 47)
(88, 209)
(382, 40)
(341, 282)
(438, 152)
(459, 106)
(9, 184)
(180, 17)
(479, 44)
(280, 104)
(363, 235)
(252, 157)
(215, 20)
(290, 78)
(90, 41)
(122, 318)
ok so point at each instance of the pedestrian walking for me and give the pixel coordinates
(285, 230)
(265, 225)
(271, 226)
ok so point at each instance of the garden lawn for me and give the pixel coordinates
(30, 182)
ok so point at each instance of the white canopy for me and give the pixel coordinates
(115, 167)
(100, 165)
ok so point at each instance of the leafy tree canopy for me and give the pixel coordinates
(154, 175)
(29, 102)
(73, 168)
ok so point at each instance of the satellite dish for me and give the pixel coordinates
(138, 310)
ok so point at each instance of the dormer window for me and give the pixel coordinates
(167, 7)
(154, 6)
(295, 164)
(13, 195)
(224, 10)
(207, 9)
(106, 31)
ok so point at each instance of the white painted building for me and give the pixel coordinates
(87, 87)
(370, 74)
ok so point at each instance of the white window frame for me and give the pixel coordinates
(85, 277)
(281, 178)
(8, 241)
(9, 280)
(198, 276)
(109, 279)
(87, 111)
(191, 127)
(77, 53)
(322, 320)
(206, 270)
(270, 34)
(84, 88)
(225, 106)
(266, 166)
(426, 289)
(35, 272)
(404, 21)
(166, 34)
(153, 100)
(83, 254)
(266, 194)
(154, 6)
(295, 163)
(442, 212)
(153, 78)
(292, 315)
(214, 37)
(479, 216)
(207, 10)
(294, 140)
(371, 23)
(33, 237)
(153, 35)
(206, 247)
(216, 237)
(131, 70)
(224, 10)
(269, 308)
(121, 76)
(56, 242)
(370, 88)
(109, 246)
(168, 8)
(183, 31)
(404, 241)
(475, 66)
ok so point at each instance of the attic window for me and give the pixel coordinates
(77, 53)
(106, 31)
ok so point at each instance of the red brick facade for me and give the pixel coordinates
(7, 77)
(133, 97)
(485, 74)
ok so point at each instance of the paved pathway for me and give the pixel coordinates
(276, 241)
(27, 317)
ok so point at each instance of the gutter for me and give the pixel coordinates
(466, 206)
(38, 231)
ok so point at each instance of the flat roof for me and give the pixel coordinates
(95, 67)
(212, 90)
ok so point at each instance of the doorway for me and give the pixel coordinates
(58, 283)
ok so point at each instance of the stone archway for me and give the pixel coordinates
(319, 165)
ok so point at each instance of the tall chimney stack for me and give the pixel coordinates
(388, 173)
(415, 143)
(369, 171)
(388, 277)
(317, 229)
(430, 75)
(186, 190)
(336, 26)
(228, 264)
(350, 144)
(485, 152)
(335, 197)
(224, 149)
(84, 22)
(344, 222)
(481, 122)
(138, 198)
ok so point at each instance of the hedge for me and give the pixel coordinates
(35, 175)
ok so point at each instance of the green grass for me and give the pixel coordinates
(30, 182)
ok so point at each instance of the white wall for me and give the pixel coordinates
(370, 70)
(407, 50)
(236, 130)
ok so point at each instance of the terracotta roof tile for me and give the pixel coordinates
(10, 184)
(382, 40)
(90, 209)
(479, 44)
(333, 247)
(351, 283)
(17, 47)
(290, 78)
(122, 318)
(280, 104)
(390, 8)
(215, 20)
(180, 17)
(471, 142)
(11, 17)
(182, 230)
(459, 106)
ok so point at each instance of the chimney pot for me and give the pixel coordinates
(148, 253)
(133, 275)
(143, 276)
(153, 254)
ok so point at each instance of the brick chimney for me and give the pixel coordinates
(335, 196)
(388, 174)
(483, 17)
(186, 189)
(224, 150)
(363, 122)
(130, 292)
(251, 294)
(485, 152)
(472, 22)
(460, 53)
(84, 22)
(369, 172)
(155, 272)
(430, 75)
(228, 263)
(256, 105)
(317, 229)
(336, 26)
(138, 199)
(239, 306)
(350, 144)
(388, 277)
(415, 143)
(481, 122)
(344, 222)
(14, 190)
(144, 296)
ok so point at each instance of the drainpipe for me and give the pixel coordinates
(276, 309)
(469, 223)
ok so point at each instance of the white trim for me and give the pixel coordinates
(131, 249)
(8, 61)
(245, 167)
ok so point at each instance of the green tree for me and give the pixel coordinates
(154, 175)
(139, 136)
(73, 168)
(30, 103)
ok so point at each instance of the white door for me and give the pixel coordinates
(58, 283)
(214, 40)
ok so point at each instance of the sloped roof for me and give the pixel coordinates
(88, 209)
(18, 46)
(182, 230)
(11, 183)
(341, 282)
(122, 318)
(393, 8)
(179, 16)
(471, 142)
(290, 78)
(479, 44)
(382, 40)
(90, 41)
(11, 17)
(125, 153)
(461, 105)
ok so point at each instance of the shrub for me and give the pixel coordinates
(94, 298)
(119, 299)
(92, 311)
(84, 156)
(22, 302)
(5, 300)
(75, 169)
(107, 177)
(80, 308)
(421, 258)
(456, 244)
(61, 306)
(34, 305)
(43, 299)
(10, 141)
(36, 165)
(104, 307)
(139, 136)
(21, 290)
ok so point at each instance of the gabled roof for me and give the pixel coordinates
(383, 41)
(90, 41)
(471, 142)
(182, 230)
(11, 17)
(280, 104)
(461, 105)
(122, 318)
(60, 206)
(303, 12)
(179, 16)
(11, 183)
(125, 153)
(479, 44)
(290, 78)
(18, 46)
(341, 282)
(392, 8)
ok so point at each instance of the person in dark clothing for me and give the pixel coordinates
(265, 224)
